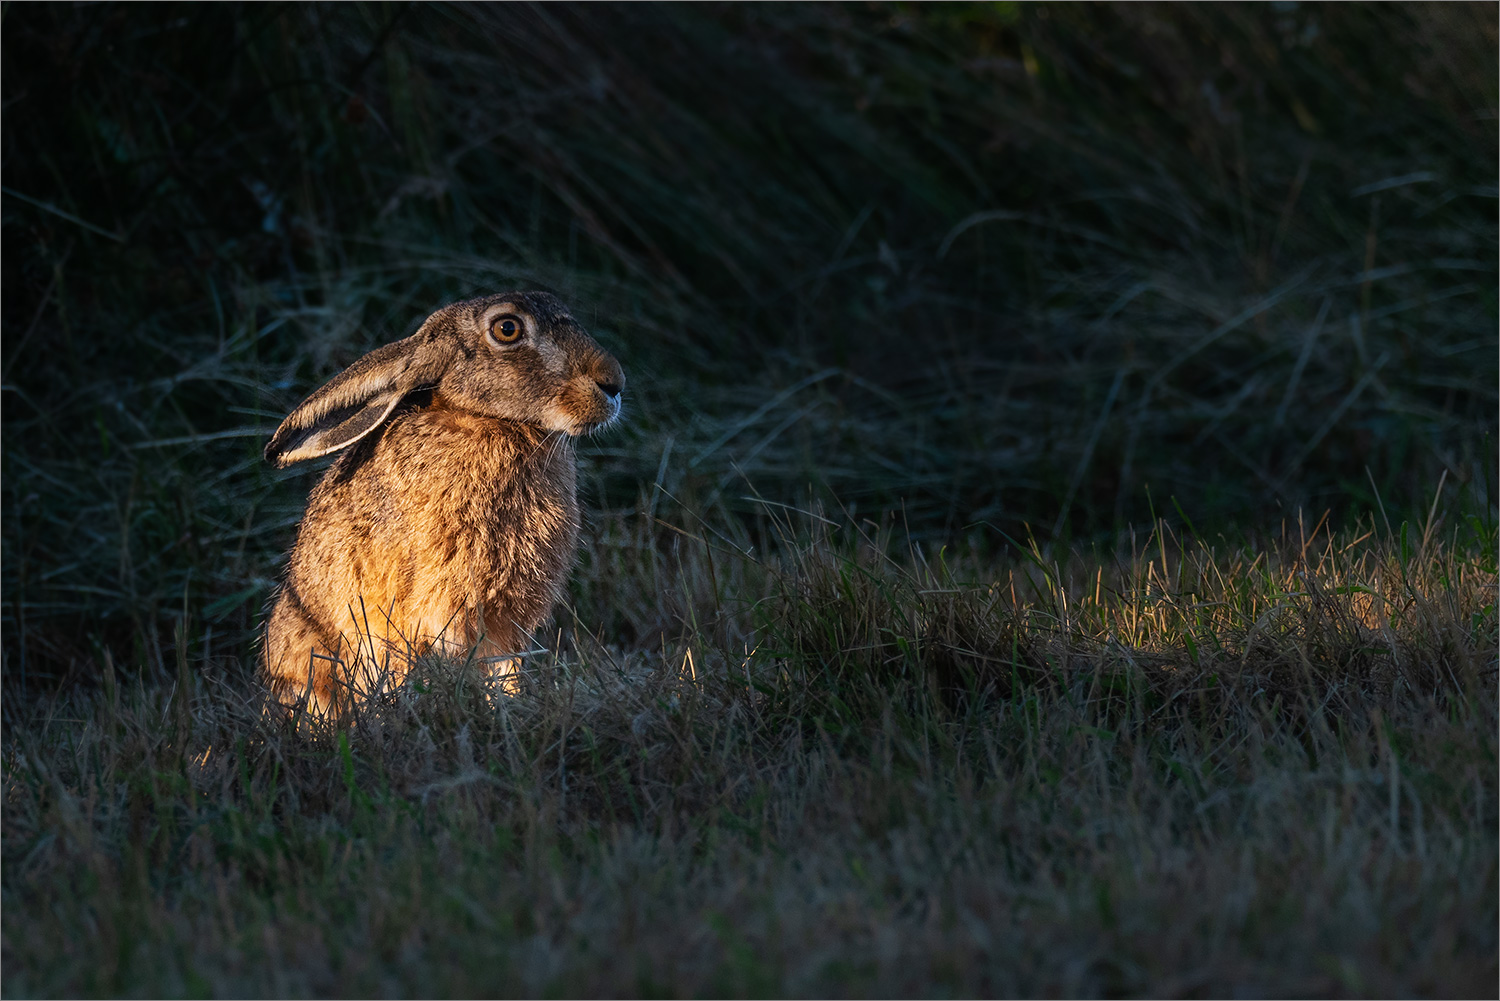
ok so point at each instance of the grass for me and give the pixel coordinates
(1186, 770)
(1050, 547)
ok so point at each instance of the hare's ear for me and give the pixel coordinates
(359, 399)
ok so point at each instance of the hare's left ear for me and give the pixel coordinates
(359, 399)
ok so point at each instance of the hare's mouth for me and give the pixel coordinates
(602, 410)
(592, 419)
(597, 425)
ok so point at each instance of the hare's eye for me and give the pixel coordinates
(506, 329)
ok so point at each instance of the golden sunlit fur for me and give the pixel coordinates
(450, 519)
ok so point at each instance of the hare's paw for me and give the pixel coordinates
(502, 677)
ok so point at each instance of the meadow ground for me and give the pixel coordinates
(1186, 770)
(1050, 547)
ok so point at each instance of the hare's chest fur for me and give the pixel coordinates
(457, 526)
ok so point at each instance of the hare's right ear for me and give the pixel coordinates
(359, 399)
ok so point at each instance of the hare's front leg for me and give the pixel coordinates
(503, 672)
(498, 653)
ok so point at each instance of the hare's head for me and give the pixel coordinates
(518, 356)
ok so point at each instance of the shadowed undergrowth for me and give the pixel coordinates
(1187, 770)
(989, 264)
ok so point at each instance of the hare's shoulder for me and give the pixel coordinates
(437, 438)
(423, 449)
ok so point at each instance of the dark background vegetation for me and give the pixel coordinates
(1141, 359)
(986, 264)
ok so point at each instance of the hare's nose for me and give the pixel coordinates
(609, 377)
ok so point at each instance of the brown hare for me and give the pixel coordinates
(450, 519)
